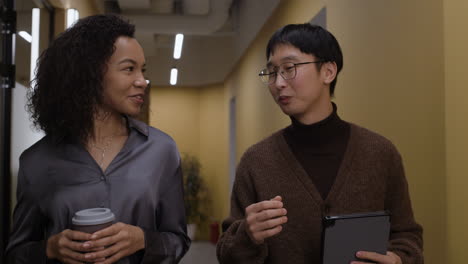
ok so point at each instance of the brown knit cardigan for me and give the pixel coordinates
(370, 178)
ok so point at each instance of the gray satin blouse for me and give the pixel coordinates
(142, 186)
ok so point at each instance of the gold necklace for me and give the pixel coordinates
(103, 149)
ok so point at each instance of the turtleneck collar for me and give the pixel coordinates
(318, 133)
(323, 122)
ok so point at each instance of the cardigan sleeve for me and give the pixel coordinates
(405, 234)
(235, 246)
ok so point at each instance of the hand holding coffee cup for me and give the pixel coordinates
(110, 242)
(92, 220)
(67, 246)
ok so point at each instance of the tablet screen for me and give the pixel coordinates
(344, 235)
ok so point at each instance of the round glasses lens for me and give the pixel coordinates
(271, 77)
(265, 76)
(288, 70)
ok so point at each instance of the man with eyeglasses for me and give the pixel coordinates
(319, 165)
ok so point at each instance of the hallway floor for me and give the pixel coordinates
(200, 252)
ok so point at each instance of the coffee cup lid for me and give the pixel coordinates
(93, 216)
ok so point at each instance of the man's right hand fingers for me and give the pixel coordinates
(264, 219)
(277, 198)
(269, 224)
(259, 237)
(264, 205)
(270, 214)
(265, 215)
(255, 227)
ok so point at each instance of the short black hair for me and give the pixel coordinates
(68, 84)
(309, 39)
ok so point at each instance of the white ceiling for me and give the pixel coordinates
(217, 32)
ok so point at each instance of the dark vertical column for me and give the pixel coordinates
(7, 83)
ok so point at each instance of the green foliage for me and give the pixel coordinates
(195, 192)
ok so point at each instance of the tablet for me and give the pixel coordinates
(344, 235)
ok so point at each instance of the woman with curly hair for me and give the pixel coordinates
(88, 86)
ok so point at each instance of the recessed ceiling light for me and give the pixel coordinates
(174, 72)
(179, 39)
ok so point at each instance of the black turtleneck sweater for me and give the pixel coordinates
(319, 148)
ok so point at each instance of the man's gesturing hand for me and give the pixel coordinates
(264, 219)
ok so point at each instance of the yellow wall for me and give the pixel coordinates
(196, 118)
(214, 147)
(456, 98)
(393, 83)
(176, 111)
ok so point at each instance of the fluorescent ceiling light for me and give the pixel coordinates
(72, 16)
(173, 80)
(36, 19)
(25, 35)
(179, 39)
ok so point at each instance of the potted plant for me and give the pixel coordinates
(195, 193)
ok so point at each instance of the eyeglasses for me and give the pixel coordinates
(287, 70)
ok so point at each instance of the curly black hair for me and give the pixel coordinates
(68, 84)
